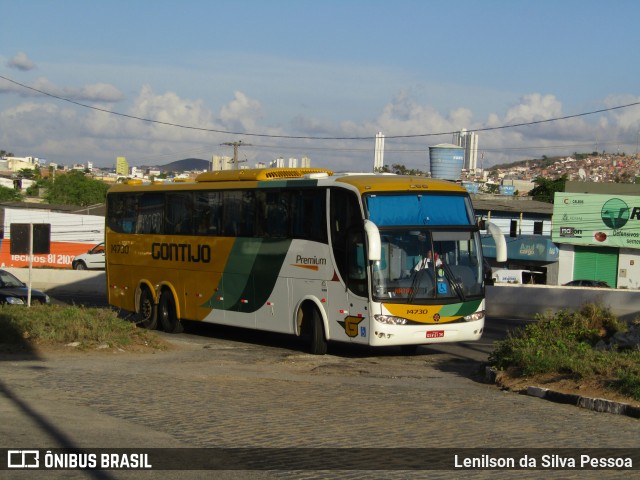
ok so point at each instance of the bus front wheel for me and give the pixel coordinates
(148, 314)
(318, 341)
(167, 313)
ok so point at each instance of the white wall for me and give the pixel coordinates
(525, 301)
(65, 227)
(566, 258)
(629, 268)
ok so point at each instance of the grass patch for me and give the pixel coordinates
(56, 325)
(573, 343)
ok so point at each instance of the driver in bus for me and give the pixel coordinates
(428, 261)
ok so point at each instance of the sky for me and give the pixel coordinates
(159, 81)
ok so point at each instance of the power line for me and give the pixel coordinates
(304, 137)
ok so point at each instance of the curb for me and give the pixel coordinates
(594, 404)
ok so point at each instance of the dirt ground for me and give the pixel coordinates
(591, 388)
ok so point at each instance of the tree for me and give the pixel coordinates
(74, 188)
(400, 170)
(545, 188)
(26, 173)
(9, 195)
(491, 188)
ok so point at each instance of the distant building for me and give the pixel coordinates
(523, 187)
(468, 141)
(305, 162)
(137, 173)
(378, 155)
(16, 164)
(293, 163)
(122, 166)
(219, 162)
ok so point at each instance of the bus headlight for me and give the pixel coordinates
(391, 320)
(474, 317)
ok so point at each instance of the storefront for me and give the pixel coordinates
(529, 252)
(599, 238)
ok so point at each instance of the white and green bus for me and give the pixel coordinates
(372, 259)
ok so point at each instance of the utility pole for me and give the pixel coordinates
(235, 146)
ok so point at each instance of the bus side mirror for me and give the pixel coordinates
(501, 243)
(373, 241)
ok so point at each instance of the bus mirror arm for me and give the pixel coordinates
(501, 243)
(373, 240)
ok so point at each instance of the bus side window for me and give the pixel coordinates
(238, 216)
(180, 213)
(308, 215)
(276, 214)
(121, 210)
(248, 214)
(201, 213)
(149, 213)
(215, 213)
(231, 213)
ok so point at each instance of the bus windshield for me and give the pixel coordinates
(420, 265)
(430, 251)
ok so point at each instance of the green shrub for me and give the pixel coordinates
(61, 325)
(564, 343)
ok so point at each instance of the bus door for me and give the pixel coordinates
(357, 323)
(349, 298)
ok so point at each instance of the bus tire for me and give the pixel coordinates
(148, 312)
(167, 312)
(318, 344)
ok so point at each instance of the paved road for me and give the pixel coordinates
(223, 387)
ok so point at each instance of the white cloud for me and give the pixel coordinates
(534, 107)
(64, 133)
(242, 113)
(625, 118)
(20, 61)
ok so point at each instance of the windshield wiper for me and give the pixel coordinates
(454, 283)
(414, 285)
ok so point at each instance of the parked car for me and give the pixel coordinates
(92, 260)
(587, 283)
(14, 292)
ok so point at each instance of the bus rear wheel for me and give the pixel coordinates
(167, 313)
(148, 313)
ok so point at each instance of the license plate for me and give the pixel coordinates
(435, 334)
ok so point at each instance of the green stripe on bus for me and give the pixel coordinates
(250, 274)
(459, 309)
